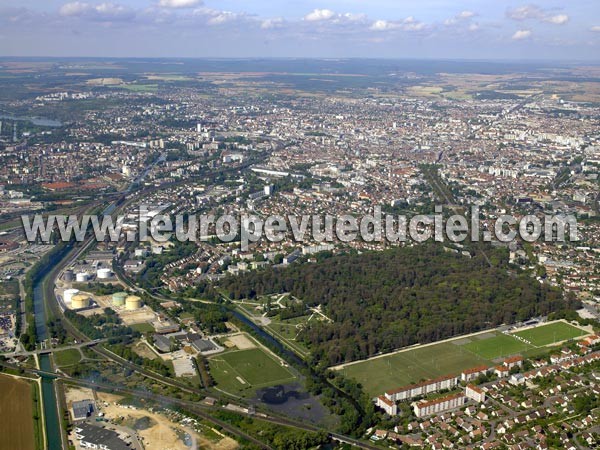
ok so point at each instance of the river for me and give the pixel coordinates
(39, 121)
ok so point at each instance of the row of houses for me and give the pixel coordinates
(422, 388)
(449, 402)
(450, 381)
(387, 402)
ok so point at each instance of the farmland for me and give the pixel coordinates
(16, 412)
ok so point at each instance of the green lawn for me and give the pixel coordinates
(244, 370)
(551, 333)
(497, 346)
(411, 366)
(67, 357)
(286, 332)
(139, 87)
(142, 327)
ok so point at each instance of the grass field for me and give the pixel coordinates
(399, 369)
(551, 333)
(67, 357)
(142, 327)
(446, 358)
(287, 330)
(496, 347)
(247, 370)
(16, 412)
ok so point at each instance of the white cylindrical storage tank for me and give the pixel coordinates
(81, 277)
(68, 294)
(133, 302)
(118, 298)
(104, 273)
(80, 301)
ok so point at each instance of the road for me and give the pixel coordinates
(54, 349)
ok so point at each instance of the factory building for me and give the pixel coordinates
(90, 436)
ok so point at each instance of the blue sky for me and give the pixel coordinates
(471, 29)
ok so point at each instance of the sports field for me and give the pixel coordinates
(16, 414)
(244, 370)
(497, 346)
(452, 357)
(551, 333)
(402, 368)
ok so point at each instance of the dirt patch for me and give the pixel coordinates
(484, 336)
(157, 431)
(461, 341)
(142, 350)
(76, 394)
(241, 341)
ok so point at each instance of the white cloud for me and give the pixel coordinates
(462, 16)
(383, 25)
(104, 12)
(351, 17)
(536, 13)
(215, 17)
(267, 24)
(521, 34)
(317, 15)
(595, 29)
(559, 19)
(525, 12)
(222, 17)
(466, 14)
(74, 9)
(408, 24)
(179, 3)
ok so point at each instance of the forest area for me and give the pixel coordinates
(381, 301)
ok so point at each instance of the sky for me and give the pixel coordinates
(561, 30)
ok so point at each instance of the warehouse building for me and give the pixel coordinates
(90, 436)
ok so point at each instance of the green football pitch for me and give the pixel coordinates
(410, 366)
(498, 346)
(243, 370)
(452, 357)
(551, 333)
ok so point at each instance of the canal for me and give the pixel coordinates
(50, 402)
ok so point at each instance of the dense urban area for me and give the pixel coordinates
(326, 342)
